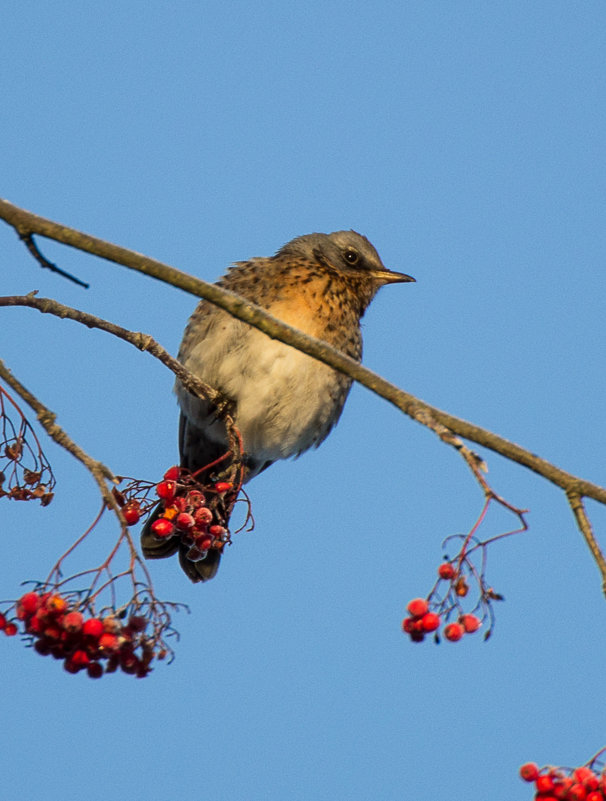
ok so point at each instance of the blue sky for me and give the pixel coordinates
(466, 140)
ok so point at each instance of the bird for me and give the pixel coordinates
(284, 402)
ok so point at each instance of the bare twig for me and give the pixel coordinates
(33, 248)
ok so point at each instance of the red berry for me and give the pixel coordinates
(577, 793)
(195, 498)
(173, 473)
(561, 788)
(446, 571)
(217, 531)
(223, 486)
(203, 543)
(109, 642)
(34, 625)
(544, 784)
(203, 516)
(29, 602)
(587, 777)
(162, 528)
(407, 625)
(595, 795)
(93, 627)
(470, 623)
(10, 629)
(418, 607)
(2, 621)
(53, 632)
(95, 670)
(430, 621)
(529, 771)
(166, 490)
(132, 513)
(454, 632)
(80, 658)
(70, 666)
(184, 521)
(72, 622)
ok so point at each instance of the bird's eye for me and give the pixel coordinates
(351, 256)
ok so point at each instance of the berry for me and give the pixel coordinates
(223, 486)
(166, 490)
(184, 521)
(418, 607)
(586, 777)
(577, 793)
(544, 784)
(430, 621)
(72, 622)
(56, 604)
(446, 571)
(172, 474)
(80, 658)
(470, 623)
(407, 625)
(108, 642)
(203, 543)
(203, 516)
(162, 528)
(94, 670)
(132, 513)
(217, 531)
(529, 771)
(595, 795)
(2, 621)
(93, 627)
(29, 603)
(10, 629)
(454, 632)
(562, 787)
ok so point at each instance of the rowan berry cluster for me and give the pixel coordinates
(422, 621)
(56, 625)
(185, 513)
(557, 784)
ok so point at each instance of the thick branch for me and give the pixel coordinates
(26, 224)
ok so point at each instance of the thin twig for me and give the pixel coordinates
(33, 248)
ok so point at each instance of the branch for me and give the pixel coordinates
(25, 223)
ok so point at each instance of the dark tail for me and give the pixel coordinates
(155, 548)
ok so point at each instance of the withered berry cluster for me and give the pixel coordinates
(185, 514)
(557, 784)
(96, 644)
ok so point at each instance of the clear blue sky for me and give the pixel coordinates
(466, 140)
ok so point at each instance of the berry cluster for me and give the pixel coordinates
(448, 604)
(186, 514)
(556, 784)
(25, 473)
(422, 621)
(56, 626)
